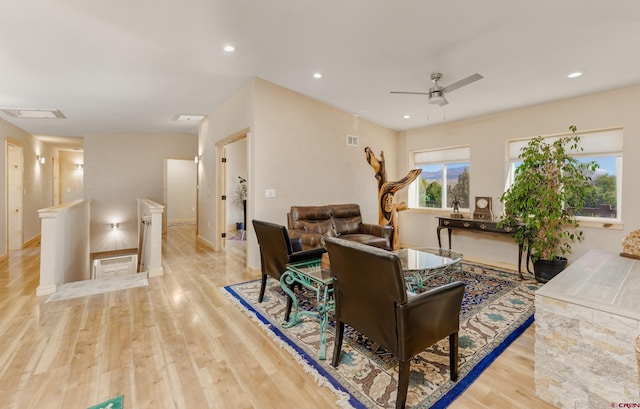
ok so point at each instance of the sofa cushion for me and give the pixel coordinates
(346, 218)
(368, 239)
(299, 215)
(347, 225)
(345, 210)
(321, 227)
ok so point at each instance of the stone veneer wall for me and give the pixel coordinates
(585, 358)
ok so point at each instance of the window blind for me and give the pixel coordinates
(442, 155)
(598, 142)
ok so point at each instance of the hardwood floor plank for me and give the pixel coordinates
(178, 343)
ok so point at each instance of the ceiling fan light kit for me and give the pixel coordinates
(437, 97)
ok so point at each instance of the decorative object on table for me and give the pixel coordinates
(631, 245)
(387, 209)
(547, 193)
(497, 307)
(484, 208)
(456, 209)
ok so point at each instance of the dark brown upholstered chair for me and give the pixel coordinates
(276, 250)
(370, 296)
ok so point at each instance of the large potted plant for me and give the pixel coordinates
(548, 191)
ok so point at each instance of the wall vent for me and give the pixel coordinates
(352, 140)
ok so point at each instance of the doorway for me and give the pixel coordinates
(233, 182)
(15, 175)
(180, 190)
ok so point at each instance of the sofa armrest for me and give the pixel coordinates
(309, 239)
(296, 243)
(377, 230)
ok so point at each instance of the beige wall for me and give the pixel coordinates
(118, 170)
(487, 137)
(297, 146)
(71, 177)
(181, 191)
(233, 116)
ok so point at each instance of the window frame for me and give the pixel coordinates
(444, 157)
(604, 143)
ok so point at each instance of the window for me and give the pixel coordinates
(602, 147)
(444, 178)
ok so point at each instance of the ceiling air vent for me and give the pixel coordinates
(352, 140)
(33, 113)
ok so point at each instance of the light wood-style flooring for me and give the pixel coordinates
(178, 343)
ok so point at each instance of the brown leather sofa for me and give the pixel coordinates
(312, 223)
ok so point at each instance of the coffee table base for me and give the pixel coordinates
(324, 303)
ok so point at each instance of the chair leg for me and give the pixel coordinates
(337, 344)
(403, 383)
(453, 356)
(263, 286)
(287, 314)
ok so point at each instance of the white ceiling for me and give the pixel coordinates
(128, 66)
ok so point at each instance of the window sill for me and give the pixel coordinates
(601, 224)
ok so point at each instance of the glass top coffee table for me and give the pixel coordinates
(422, 265)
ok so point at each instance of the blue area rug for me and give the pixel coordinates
(497, 308)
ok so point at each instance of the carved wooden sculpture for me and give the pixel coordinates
(387, 209)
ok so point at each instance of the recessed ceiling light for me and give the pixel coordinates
(317, 75)
(406, 116)
(576, 74)
(229, 48)
(34, 113)
(188, 117)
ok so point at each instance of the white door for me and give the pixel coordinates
(14, 196)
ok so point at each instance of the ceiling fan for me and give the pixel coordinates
(436, 93)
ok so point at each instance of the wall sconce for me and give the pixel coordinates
(115, 226)
(41, 159)
(79, 166)
(197, 158)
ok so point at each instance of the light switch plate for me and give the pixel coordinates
(269, 193)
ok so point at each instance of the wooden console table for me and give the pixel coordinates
(481, 226)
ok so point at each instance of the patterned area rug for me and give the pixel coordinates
(98, 286)
(497, 308)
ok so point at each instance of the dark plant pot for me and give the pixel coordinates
(545, 270)
(239, 226)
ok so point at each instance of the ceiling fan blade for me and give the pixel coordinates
(408, 92)
(465, 81)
